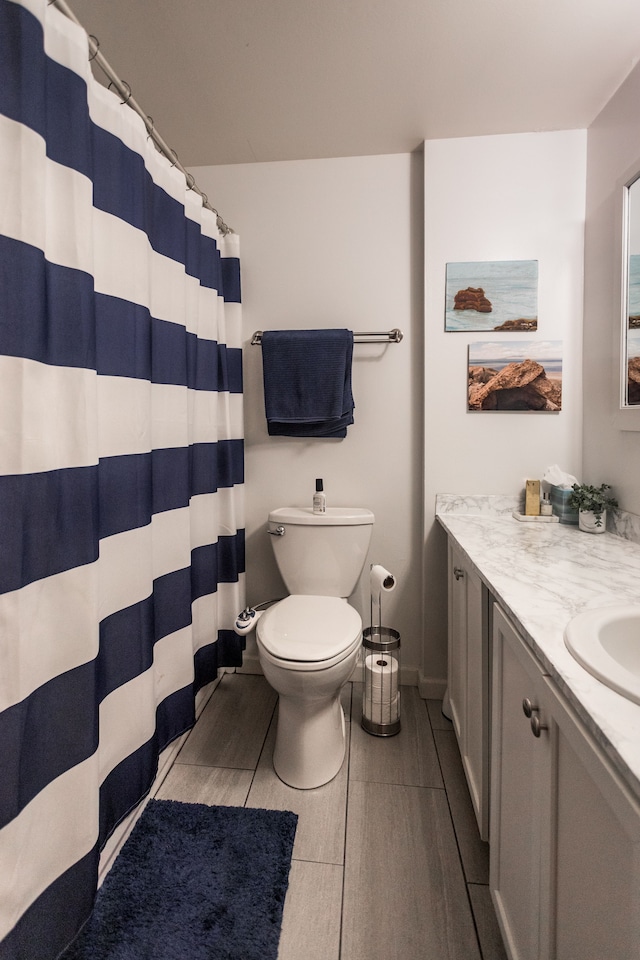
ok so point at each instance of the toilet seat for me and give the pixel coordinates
(309, 632)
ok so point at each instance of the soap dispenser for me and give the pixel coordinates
(319, 499)
(546, 509)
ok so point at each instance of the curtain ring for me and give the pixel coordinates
(97, 47)
(124, 84)
(191, 181)
(175, 155)
(205, 199)
(150, 126)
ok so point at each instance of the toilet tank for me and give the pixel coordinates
(321, 554)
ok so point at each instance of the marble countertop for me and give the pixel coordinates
(542, 575)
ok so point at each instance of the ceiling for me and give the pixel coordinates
(239, 81)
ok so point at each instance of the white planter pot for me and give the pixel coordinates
(587, 521)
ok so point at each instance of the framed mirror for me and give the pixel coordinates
(628, 378)
(630, 373)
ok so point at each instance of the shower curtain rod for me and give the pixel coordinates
(389, 336)
(124, 90)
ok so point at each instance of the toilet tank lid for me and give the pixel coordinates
(333, 517)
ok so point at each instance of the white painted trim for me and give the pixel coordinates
(624, 417)
(250, 664)
(430, 688)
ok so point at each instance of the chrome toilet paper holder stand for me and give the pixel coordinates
(381, 692)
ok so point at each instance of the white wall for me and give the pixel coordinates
(337, 243)
(340, 243)
(514, 197)
(610, 454)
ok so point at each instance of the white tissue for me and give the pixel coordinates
(381, 695)
(381, 580)
(382, 712)
(558, 478)
(380, 678)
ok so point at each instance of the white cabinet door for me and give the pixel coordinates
(457, 672)
(594, 874)
(519, 778)
(468, 679)
(475, 747)
(565, 830)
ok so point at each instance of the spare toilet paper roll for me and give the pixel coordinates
(382, 712)
(380, 678)
(381, 580)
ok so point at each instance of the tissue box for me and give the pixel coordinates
(560, 505)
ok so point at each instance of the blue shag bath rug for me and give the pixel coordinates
(193, 882)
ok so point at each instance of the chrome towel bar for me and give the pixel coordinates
(389, 336)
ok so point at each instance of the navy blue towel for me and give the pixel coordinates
(307, 382)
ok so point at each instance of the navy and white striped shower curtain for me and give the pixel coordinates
(121, 469)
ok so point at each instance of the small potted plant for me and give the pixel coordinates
(592, 504)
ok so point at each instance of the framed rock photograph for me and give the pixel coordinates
(492, 295)
(515, 375)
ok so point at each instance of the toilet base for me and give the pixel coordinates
(310, 741)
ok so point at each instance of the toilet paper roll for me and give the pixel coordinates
(380, 678)
(382, 712)
(381, 580)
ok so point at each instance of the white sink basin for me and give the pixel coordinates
(606, 642)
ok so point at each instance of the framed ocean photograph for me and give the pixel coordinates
(515, 375)
(492, 295)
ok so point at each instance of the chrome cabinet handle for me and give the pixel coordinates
(458, 573)
(537, 727)
(278, 532)
(529, 710)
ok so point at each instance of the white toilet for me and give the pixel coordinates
(309, 642)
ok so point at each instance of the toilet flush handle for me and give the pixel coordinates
(278, 532)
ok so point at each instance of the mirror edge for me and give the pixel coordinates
(624, 417)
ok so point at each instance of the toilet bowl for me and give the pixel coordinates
(309, 642)
(308, 647)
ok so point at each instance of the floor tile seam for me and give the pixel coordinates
(460, 859)
(473, 915)
(455, 836)
(453, 821)
(251, 768)
(213, 766)
(446, 723)
(346, 827)
(326, 863)
(399, 783)
(199, 711)
(261, 751)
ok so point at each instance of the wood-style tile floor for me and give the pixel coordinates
(387, 861)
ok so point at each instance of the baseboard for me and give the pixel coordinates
(430, 688)
(250, 664)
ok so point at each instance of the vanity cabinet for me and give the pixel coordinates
(565, 829)
(468, 678)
